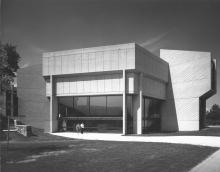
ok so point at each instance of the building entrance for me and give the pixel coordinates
(98, 113)
(151, 115)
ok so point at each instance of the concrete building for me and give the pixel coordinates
(118, 88)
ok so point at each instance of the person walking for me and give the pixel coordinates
(59, 119)
(82, 127)
(78, 128)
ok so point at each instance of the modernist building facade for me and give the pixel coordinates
(121, 88)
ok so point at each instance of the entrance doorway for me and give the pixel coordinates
(98, 113)
(151, 115)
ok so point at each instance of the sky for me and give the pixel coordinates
(37, 26)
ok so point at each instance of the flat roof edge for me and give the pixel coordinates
(193, 51)
(89, 49)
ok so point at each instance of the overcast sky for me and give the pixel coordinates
(37, 26)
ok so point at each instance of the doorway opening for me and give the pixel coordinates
(151, 115)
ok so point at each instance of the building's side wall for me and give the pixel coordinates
(190, 78)
(97, 59)
(152, 79)
(33, 105)
(154, 88)
(150, 65)
(155, 73)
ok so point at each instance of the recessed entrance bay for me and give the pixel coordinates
(98, 113)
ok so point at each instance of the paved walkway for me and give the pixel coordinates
(211, 164)
(192, 140)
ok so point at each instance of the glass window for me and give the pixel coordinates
(98, 105)
(114, 105)
(81, 104)
(151, 116)
(65, 106)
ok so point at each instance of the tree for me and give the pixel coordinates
(214, 113)
(9, 59)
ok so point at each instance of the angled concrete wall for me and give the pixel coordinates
(190, 78)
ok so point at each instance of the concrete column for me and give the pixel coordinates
(53, 106)
(124, 104)
(140, 109)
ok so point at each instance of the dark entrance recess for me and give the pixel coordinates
(151, 115)
(98, 113)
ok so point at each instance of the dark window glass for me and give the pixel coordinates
(114, 105)
(90, 107)
(129, 115)
(151, 116)
(98, 105)
(65, 106)
(81, 105)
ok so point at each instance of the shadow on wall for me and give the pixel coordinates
(204, 97)
(169, 115)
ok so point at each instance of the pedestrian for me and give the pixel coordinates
(78, 128)
(64, 125)
(59, 118)
(82, 127)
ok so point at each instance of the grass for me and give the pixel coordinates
(44, 152)
(101, 156)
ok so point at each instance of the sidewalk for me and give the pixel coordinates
(211, 164)
(211, 141)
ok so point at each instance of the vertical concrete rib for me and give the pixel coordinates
(51, 99)
(140, 110)
(124, 104)
(53, 106)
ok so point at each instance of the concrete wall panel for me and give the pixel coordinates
(99, 61)
(187, 109)
(191, 89)
(78, 63)
(33, 105)
(191, 71)
(154, 88)
(190, 78)
(96, 59)
(189, 125)
(85, 63)
(150, 64)
(92, 62)
(130, 54)
(45, 66)
(176, 57)
(95, 84)
(107, 60)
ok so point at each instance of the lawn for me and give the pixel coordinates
(100, 156)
